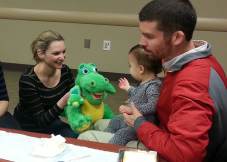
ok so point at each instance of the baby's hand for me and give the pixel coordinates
(127, 101)
(125, 109)
(124, 84)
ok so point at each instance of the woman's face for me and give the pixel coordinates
(55, 54)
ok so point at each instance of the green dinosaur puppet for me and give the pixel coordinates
(83, 113)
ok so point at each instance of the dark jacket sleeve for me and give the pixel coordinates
(3, 91)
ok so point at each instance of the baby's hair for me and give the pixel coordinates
(150, 65)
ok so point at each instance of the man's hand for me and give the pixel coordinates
(130, 118)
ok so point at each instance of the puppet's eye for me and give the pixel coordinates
(85, 71)
(95, 69)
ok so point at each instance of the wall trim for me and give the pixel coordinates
(113, 19)
(109, 75)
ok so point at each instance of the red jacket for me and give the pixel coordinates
(191, 104)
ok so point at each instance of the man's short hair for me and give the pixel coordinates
(171, 16)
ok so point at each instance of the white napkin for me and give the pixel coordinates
(49, 147)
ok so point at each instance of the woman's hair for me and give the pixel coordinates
(142, 59)
(43, 41)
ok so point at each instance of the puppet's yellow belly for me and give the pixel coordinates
(96, 111)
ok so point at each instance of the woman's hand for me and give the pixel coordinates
(63, 101)
(83, 95)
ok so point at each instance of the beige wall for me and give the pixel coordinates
(17, 35)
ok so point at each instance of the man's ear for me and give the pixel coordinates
(177, 38)
(40, 54)
(141, 68)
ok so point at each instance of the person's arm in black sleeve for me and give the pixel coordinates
(4, 98)
(29, 93)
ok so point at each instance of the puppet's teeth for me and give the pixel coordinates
(99, 93)
(97, 96)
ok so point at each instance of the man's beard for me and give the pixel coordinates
(162, 52)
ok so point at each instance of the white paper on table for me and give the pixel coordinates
(16, 147)
(50, 147)
(94, 155)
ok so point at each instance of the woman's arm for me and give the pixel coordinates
(63, 101)
(71, 83)
(3, 107)
(30, 95)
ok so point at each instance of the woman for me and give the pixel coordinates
(44, 88)
(6, 119)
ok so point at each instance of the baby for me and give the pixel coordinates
(145, 95)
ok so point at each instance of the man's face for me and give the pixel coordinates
(153, 42)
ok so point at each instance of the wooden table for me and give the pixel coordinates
(90, 144)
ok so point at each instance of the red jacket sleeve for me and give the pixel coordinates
(185, 136)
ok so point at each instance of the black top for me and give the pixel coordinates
(37, 107)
